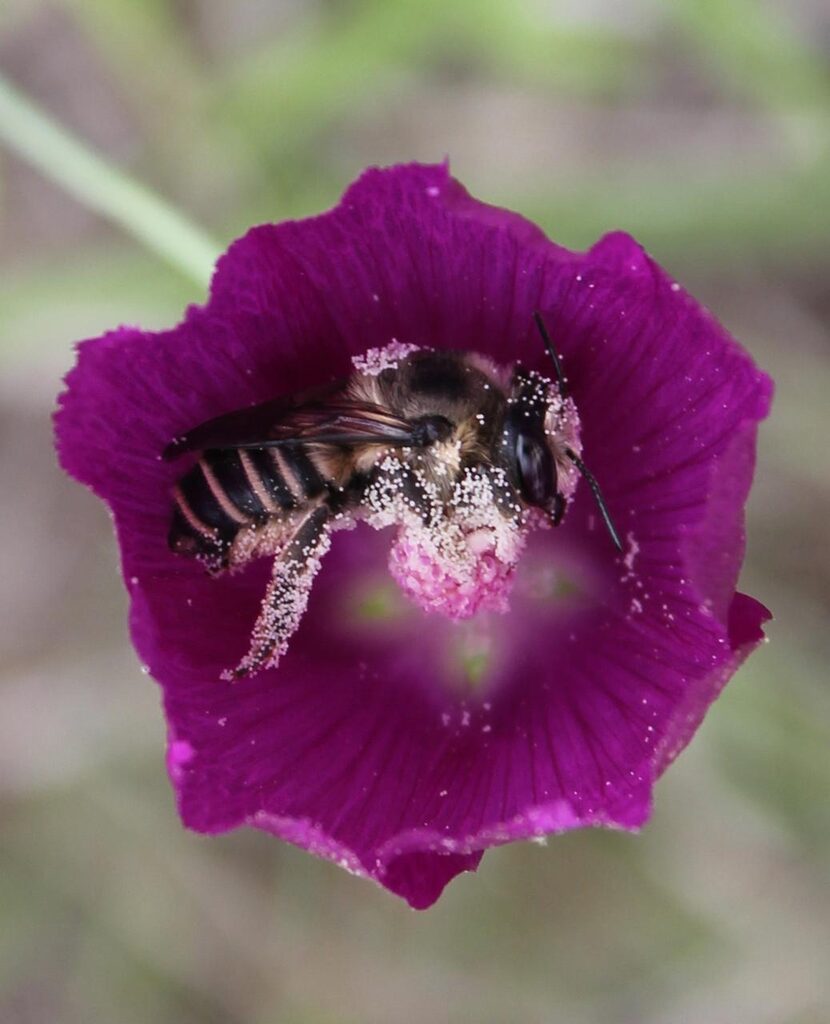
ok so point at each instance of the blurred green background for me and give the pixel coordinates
(701, 126)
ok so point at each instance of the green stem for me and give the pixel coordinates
(102, 187)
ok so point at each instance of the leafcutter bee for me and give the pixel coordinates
(447, 440)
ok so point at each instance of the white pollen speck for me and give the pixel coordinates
(443, 792)
(465, 718)
(133, 580)
(445, 719)
(376, 360)
(375, 297)
(433, 191)
(675, 287)
(632, 552)
(222, 721)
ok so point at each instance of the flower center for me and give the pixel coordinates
(461, 559)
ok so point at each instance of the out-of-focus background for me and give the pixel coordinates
(703, 127)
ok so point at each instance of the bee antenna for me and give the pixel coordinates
(557, 363)
(597, 493)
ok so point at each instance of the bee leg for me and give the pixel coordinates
(558, 510)
(286, 598)
(416, 497)
(504, 493)
(394, 484)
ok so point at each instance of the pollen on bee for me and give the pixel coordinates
(283, 606)
(375, 360)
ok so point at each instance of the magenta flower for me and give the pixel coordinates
(409, 719)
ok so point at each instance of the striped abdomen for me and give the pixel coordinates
(232, 489)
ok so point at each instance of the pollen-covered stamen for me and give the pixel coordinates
(460, 557)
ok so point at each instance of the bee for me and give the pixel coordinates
(396, 439)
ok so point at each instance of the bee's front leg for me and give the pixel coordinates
(397, 492)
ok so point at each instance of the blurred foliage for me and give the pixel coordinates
(703, 127)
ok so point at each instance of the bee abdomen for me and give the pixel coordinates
(305, 476)
(214, 500)
(232, 489)
(202, 525)
(263, 464)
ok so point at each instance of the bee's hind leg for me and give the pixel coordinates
(286, 598)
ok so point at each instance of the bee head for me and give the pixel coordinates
(528, 448)
(531, 449)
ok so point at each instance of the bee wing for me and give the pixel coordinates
(325, 416)
(243, 426)
(342, 421)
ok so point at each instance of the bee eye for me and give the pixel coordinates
(537, 473)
